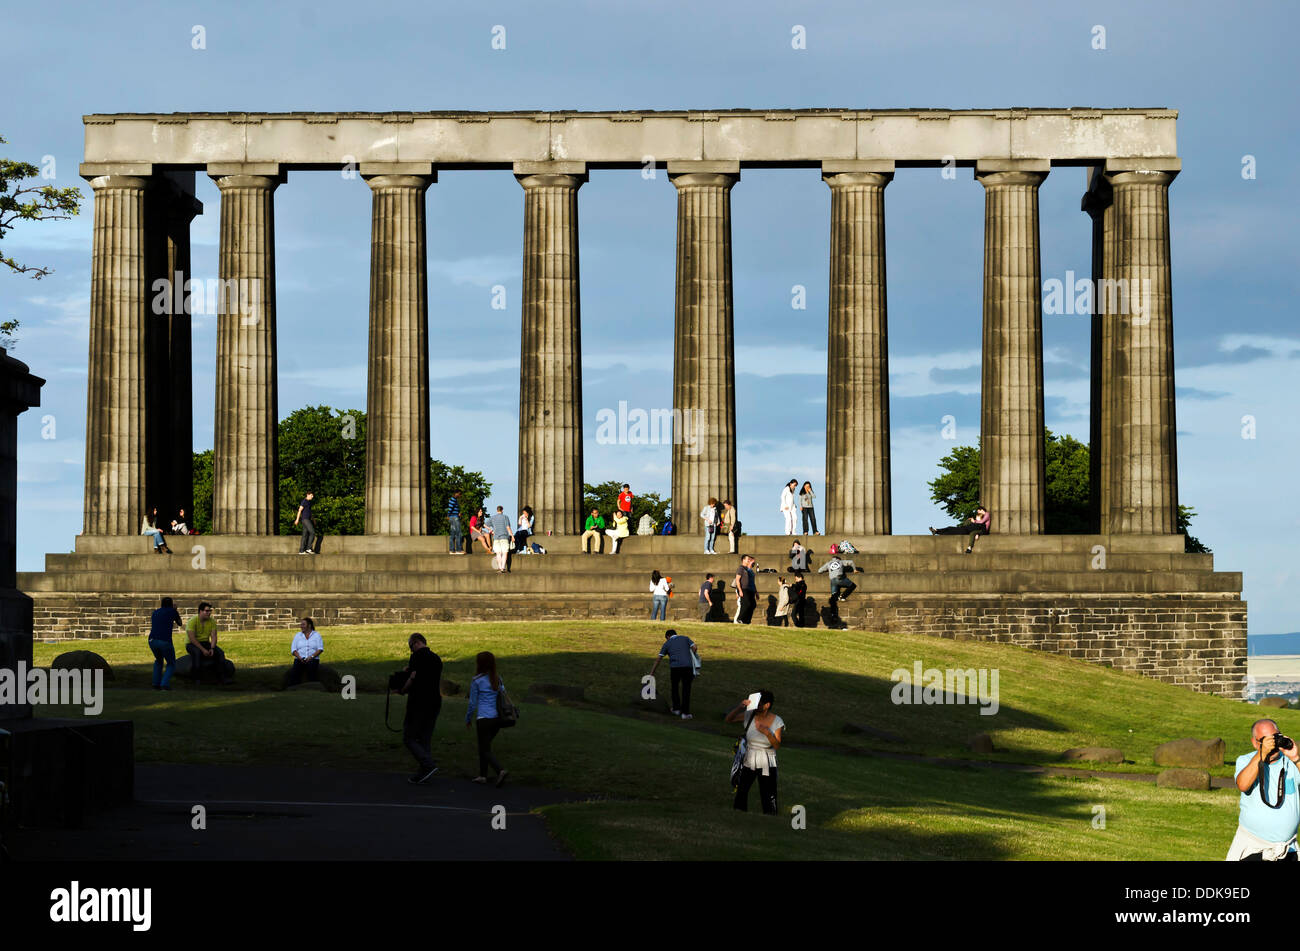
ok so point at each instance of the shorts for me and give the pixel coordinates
(502, 546)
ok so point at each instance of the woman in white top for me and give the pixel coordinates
(763, 734)
(525, 529)
(620, 530)
(659, 588)
(710, 516)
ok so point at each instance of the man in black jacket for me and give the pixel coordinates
(423, 690)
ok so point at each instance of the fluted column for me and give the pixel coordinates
(397, 392)
(115, 391)
(245, 448)
(704, 374)
(1098, 204)
(550, 356)
(857, 365)
(1143, 476)
(1012, 479)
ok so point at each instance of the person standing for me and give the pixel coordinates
(625, 501)
(798, 598)
(706, 598)
(595, 528)
(783, 603)
(161, 624)
(808, 507)
(483, 713)
(709, 514)
(201, 645)
(787, 506)
(423, 691)
(306, 649)
(730, 526)
(679, 648)
(310, 537)
(455, 542)
(764, 731)
(502, 540)
(659, 588)
(747, 590)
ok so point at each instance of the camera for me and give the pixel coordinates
(1282, 742)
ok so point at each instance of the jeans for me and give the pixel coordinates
(521, 541)
(309, 536)
(417, 731)
(841, 588)
(454, 540)
(198, 659)
(659, 607)
(809, 515)
(747, 604)
(682, 678)
(965, 528)
(486, 729)
(710, 537)
(163, 652)
(766, 790)
(157, 539)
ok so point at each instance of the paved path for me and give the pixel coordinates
(260, 813)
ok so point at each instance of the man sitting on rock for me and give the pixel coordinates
(202, 645)
(307, 647)
(1270, 803)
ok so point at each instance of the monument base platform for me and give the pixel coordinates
(1132, 602)
(62, 770)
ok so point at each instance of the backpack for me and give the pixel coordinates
(739, 749)
(669, 528)
(846, 548)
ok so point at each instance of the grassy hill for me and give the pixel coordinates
(648, 786)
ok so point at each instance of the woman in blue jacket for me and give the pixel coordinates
(484, 691)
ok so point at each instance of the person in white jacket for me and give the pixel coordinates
(789, 509)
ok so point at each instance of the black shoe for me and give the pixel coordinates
(968, 551)
(419, 779)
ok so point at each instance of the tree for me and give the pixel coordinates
(605, 498)
(35, 203)
(323, 450)
(1068, 489)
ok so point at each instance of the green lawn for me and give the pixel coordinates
(655, 787)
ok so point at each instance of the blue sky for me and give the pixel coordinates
(1234, 256)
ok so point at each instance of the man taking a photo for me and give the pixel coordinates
(1270, 806)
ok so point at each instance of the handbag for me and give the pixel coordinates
(739, 750)
(507, 712)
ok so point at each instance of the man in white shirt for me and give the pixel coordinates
(788, 508)
(307, 647)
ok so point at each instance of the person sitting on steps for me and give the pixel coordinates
(975, 526)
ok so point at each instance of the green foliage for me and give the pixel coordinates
(323, 450)
(1192, 545)
(1069, 490)
(605, 498)
(202, 513)
(35, 203)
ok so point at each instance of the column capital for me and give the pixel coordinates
(842, 174)
(119, 181)
(93, 170)
(1011, 171)
(1168, 166)
(378, 181)
(1140, 176)
(247, 174)
(716, 174)
(554, 174)
(838, 166)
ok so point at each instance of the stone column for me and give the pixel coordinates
(115, 391)
(1012, 479)
(245, 499)
(1142, 448)
(857, 365)
(1097, 202)
(704, 373)
(397, 392)
(550, 360)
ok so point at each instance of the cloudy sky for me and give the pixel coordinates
(1234, 257)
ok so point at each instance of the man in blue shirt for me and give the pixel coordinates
(679, 650)
(161, 624)
(1270, 804)
(455, 543)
